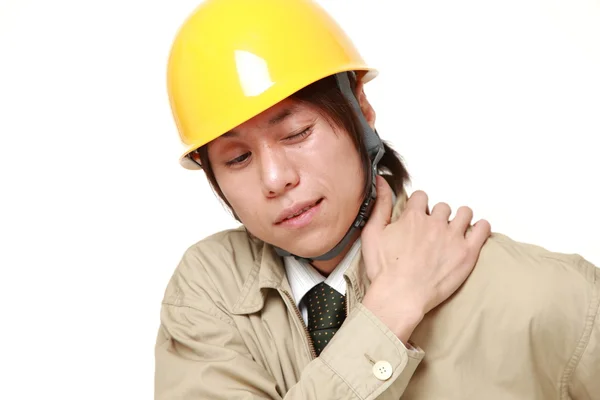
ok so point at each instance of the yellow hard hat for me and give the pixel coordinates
(233, 59)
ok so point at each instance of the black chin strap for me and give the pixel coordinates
(375, 150)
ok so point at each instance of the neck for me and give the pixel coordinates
(326, 267)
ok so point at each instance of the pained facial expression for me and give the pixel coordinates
(293, 179)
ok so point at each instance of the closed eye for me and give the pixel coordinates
(292, 138)
(238, 160)
(300, 135)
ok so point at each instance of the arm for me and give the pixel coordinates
(201, 355)
(585, 379)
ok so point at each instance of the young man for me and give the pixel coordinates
(337, 285)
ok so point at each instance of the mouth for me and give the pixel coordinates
(296, 213)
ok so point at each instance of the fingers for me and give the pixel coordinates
(477, 235)
(462, 219)
(418, 201)
(382, 210)
(441, 211)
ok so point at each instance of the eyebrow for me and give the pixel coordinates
(276, 119)
(283, 114)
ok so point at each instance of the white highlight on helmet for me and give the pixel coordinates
(253, 73)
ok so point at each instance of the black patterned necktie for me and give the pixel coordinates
(326, 313)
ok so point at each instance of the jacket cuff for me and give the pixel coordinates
(367, 355)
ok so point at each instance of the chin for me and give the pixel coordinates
(309, 253)
(311, 247)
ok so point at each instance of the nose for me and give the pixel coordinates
(278, 173)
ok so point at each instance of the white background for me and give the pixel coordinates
(493, 104)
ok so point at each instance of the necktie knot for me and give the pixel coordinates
(326, 313)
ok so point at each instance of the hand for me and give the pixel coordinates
(417, 262)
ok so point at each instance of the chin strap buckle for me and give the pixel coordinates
(367, 205)
(365, 210)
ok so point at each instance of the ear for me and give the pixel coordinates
(365, 106)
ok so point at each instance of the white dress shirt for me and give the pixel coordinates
(303, 277)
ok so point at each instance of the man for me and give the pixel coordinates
(338, 285)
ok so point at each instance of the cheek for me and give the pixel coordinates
(229, 187)
(347, 165)
(238, 197)
(244, 198)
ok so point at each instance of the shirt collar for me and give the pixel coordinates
(302, 276)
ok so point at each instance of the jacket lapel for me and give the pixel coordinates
(267, 273)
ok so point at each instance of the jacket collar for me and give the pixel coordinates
(268, 273)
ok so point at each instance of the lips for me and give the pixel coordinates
(298, 213)
(296, 210)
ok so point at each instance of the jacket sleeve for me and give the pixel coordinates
(585, 380)
(201, 355)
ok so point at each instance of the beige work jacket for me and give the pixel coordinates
(524, 326)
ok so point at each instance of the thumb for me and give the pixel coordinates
(382, 210)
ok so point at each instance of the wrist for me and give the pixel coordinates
(399, 315)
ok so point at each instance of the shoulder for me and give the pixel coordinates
(530, 264)
(534, 285)
(214, 269)
(522, 305)
(224, 247)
